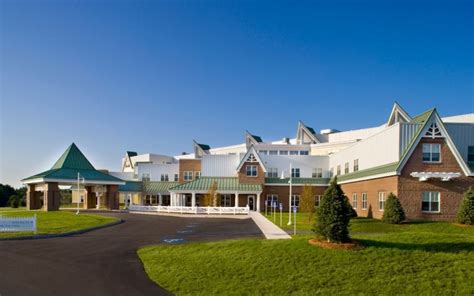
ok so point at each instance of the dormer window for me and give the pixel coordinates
(251, 170)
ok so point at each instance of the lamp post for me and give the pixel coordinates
(79, 179)
(291, 187)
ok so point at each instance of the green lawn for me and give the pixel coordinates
(56, 222)
(420, 258)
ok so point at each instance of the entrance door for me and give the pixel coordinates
(251, 202)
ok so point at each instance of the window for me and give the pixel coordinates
(346, 168)
(283, 152)
(295, 172)
(273, 152)
(317, 200)
(354, 200)
(364, 201)
(272, 173)
(381, 201)
(251, 170)
(263, 152)
(226, 200)
(331, 172)
(356, 165)
(431, 152)
(317, 173)
(338, 170)
(304, 152)
(293, 152)
(164, 178)
(146, 177)
(430, 202)
(188, 176)
(176, 177)
(271, 198)
(470, 154)
(197, 174)
(295, 200)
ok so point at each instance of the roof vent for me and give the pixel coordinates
(183, 153)
(286, 140)
(328, 131)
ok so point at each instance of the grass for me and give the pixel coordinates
(55, 222)
(430, 258)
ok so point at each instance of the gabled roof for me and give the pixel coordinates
(302, 128)
(200, 149)
(250, 151)
(131, 153)
(255, 138)
(73, 158)
(230, 184)
(398, 113)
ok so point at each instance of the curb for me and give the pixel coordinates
(45, 236)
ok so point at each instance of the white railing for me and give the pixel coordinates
(16, 224)
(192, 210)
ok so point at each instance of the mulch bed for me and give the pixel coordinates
(353, 245)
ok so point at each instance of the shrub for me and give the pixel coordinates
(466, 209)
(14, 201)
(333, 215)
(393, 210)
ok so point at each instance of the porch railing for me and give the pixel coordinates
(191, 210)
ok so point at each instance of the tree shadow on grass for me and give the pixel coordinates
(427, 247)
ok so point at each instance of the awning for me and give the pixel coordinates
(444, 176)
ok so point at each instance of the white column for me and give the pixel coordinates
(258, 202)
(160, 199)
(172, 199)
(236, 199)
(193, 199)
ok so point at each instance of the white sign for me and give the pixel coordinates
(16, 224)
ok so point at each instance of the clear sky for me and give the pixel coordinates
(150, 76)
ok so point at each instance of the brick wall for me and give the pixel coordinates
(193, 165)
(259, 179)
(283, 193)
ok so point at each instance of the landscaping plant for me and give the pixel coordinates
(393, 211)
(466, 209)
(307, 202)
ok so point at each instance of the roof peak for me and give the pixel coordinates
(73, 158)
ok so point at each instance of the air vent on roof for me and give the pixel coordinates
(328, 131)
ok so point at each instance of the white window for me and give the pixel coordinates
(293, 152)
(188, 176)
(354, 200)
(356, 165)
(251, 170)
(346, 168)
(295, 200)
(304, 152)
(295, 172)
(283, 152)
(317, 173)
(176, 177)
(145, 177)
(197, 174)
(338, 173)
(226, 200)
(273, 152)
(272, 173)
(381, 201)
(263, 152)
(164, 178)
(431, 152)
(271, 198)
(317, 200)
(430, 202)
(364, 201)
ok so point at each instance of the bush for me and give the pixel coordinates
(393, 210)
(333, 215)
(14, 201)
(466, 209)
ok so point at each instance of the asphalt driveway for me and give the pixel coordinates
(104, 262)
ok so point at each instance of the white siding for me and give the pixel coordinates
(219, 165)
(377, 150)
(354, 134)
(462, 135)
(155, 170)
(465, 118)
(305, 163)
(127, 176)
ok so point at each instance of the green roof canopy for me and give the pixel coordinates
(71, 162)
(223, 184)
(298, 181)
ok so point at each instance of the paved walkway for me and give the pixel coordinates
(104, 261)
(270, 230)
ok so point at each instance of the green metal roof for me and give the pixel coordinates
(223, 184)
(204, 146)
(386, 168)
(131, 186)
(423, 116)
(298, 181)
(311, 130)
(158, 187)
(257, 138)
(73, 158)
(131, 153)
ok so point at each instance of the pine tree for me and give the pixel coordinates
(333, 215)
(466, 209)
(307, 201)
(393, 210)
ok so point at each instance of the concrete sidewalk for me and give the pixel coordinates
(270, 230)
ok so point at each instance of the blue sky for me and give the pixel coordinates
(150, 76)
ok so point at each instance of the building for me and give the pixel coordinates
(426, 160)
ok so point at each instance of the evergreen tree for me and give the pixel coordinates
(333, 215)
(393, 210)
(466, 209)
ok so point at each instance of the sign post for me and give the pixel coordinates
(281, 218)
(294, 222)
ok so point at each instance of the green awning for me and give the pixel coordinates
(298, 181)
(131, 186)
(223, 184)
(158, 187)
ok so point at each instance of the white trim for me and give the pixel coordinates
(397, 108)
(253, 151)
(444, 176)
(394, 173)
(302, 126)
(439, 203)
(43, 180)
